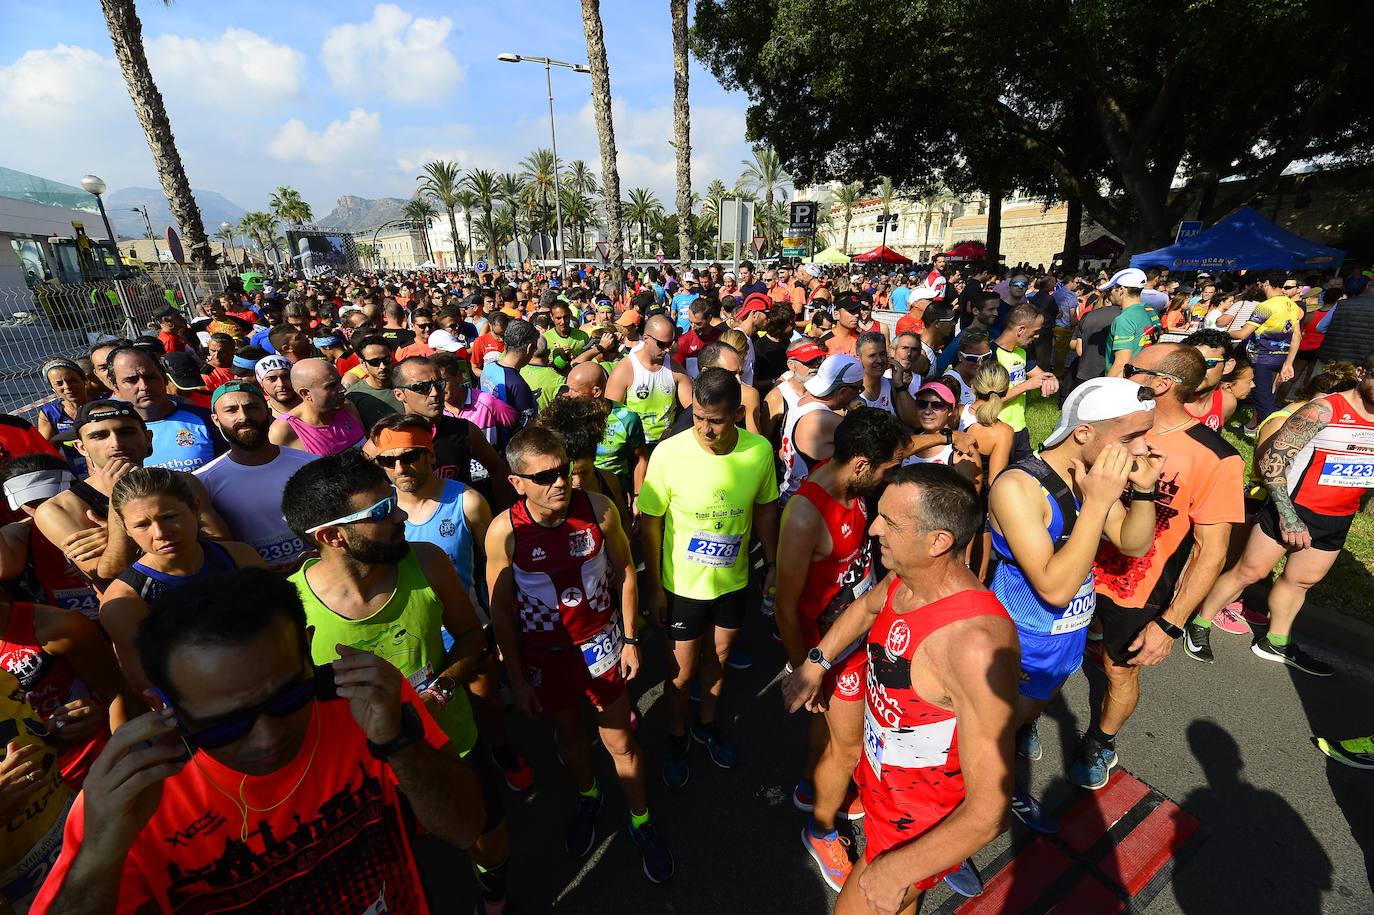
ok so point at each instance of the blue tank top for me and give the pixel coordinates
(448, 529)
(183, 440)
(1027, 608)
(149, 583)
(65, 424)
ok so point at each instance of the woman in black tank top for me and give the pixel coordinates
(159, 512)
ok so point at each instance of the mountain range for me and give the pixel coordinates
(350, 214)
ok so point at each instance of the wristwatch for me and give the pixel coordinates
(412, 731)
(815, 656)
(630, 640)
(1151, 495)
(1169, 628)
(949, 435)
(445, 687)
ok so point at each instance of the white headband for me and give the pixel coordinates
(37, 486)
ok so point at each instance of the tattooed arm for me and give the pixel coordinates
(1277, 458)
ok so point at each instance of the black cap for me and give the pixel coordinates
(849, 302)
(94, 411)
(184, 371)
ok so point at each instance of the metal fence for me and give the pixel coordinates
(64, 319)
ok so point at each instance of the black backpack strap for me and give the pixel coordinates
(97, 500)
(1058, 490)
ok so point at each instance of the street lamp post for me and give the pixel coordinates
(549, 64)
(148, 224)
(95, 187)
(228, 232)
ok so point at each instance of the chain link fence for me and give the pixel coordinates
(64, 319)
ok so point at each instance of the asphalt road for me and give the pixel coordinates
(1283, 829)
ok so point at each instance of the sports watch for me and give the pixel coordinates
(816, 656)
(412, 731)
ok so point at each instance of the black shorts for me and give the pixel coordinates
(1327, 533)
(689, 617)
(1120, 626)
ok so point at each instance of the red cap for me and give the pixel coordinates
(754, 301)
(806, 352)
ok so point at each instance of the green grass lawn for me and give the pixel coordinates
(1346, 588)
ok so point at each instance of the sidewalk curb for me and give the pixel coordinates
(1335, 629)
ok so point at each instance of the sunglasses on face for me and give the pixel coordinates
(1019, 285)
(379, 362)
(662, 344)
(547, 477)
(409, 456)
(925, 403)
(223, 730)
(1137, 370)
(377, 511)
(1213, 363)
(425, 388)
(423, 327)
(1287, 288)
(977, 358)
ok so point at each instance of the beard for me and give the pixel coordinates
(249, 439)
(862, 484)
(375, 552)
(1366, 390)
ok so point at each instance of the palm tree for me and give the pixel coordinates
(578, 175)
(848, 197)
(605, 128)
(642, 207)
(512, 189)
(579, 213)
(887, 194)
(936, 202)
(262, 228)
(290, 207)
(468, 201)
(420, 210)
(764, 175)
(226, 240)
(367, 253)
(482, 183)
(716, 191)
(682, 133)
(126, 32)
(441, 181)
(538, 169)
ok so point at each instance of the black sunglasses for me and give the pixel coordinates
(1130, 370)
(378, 362)
(424, 388)
(547, 477)
(222, 730)
(409, 456)
(662, 344)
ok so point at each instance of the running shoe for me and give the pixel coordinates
(831, 854)
(1291, 655)
(804, 799)
(675, 768)
(1031, 812)
(1357, 752)
(1230, 619)
(739, 659)
(582, 829)
(1093, 766)
(965, 879)
(1254, 618)
(658, 860)
(518, 774)
(720, 747)
(1028, 741)
(1197, 642)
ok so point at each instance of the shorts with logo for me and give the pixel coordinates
(1048, 660)
(688, 617)
(561, 679)
(1328, 532)
(845, 678)
(882, 832)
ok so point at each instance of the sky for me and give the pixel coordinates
(349, 97)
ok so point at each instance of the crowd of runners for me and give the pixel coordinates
(280, 571)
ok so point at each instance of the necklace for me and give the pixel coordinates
(241, 802)
(1173, 428)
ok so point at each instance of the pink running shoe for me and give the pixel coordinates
(1255, 617)
(1229, 620)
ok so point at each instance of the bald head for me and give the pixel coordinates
(660, 327)
(587, 380)
(1181, 367)
(309, 373)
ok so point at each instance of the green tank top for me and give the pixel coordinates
(651, 395)
(407, 631)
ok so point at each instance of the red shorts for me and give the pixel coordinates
(561, 678)
(845, 679)
(888, 826)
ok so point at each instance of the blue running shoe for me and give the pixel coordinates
(965, 880)
(1030, 811)
(675, 768)
(739, 659)
(658, 860)
(1093, 766)
(1028, 741)
(721, 748)
(582, 829)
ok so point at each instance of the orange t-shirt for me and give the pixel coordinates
(1203, 483)
(486, 343)
(834, 344)
(338, 844)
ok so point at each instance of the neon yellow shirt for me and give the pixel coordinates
(1014, 361)
(707, 502)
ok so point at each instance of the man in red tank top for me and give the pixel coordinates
(1212, 405)
(554, 562)
(825, 531)
(943, 667)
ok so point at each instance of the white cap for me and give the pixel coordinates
(1132, 277)
(922, 292)
(836, 371)
(444, 341)
(1097, 400)
(812, 270)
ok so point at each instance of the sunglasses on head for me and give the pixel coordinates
(377, 511)
(409, 456)
(425, 388)
(547, 477)
(222, 730)
(975, 357)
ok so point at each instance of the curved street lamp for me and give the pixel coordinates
(95, 187)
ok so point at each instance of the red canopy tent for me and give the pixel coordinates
(1102, 247)
(880, 255)
(968, 251)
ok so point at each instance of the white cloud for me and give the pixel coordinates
(397, 53)
(239, 68)
(341, 143)
(56, 86)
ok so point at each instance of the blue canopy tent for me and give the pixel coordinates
(1245, 240)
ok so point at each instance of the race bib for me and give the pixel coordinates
(82, 600)
(281, 552)
(422, 678)
(1079, 612)
(873, 742)
(864, 586)
(716, 550)
(1348, 470)
(602, 652)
